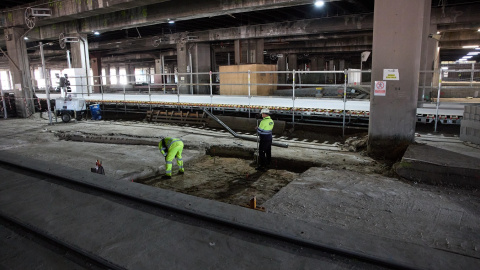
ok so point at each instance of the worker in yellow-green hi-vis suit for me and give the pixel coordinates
(171, 148)
(264, 131)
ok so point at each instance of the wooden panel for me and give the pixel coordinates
(242, 78)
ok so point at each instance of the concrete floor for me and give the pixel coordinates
(346, 190)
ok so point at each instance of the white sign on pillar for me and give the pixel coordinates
(380, 88)
(391, 75)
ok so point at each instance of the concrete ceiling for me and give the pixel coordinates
(340, 27)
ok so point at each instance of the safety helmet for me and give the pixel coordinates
(265, 111)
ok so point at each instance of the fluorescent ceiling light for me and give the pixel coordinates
(171, 21)
(444, 68)
(470, 46)
(467, 57)
(96, 33)
(473, 53)
(319, 3)
(25, 38)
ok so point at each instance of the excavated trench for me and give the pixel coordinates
(228, 175)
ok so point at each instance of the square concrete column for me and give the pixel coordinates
(238, 51)
(130, 70)
(96, 65)
(107, 75)
(183, 68)
(427, 63)
(398, 31)
(20, 71)
(259, 48)
(81, 60)
(282, 66)
(157, 77)
(293, 65)
(201, 59)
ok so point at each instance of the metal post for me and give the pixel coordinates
(68, 59)
(293, 99)
(344, 102)
(249, 96)
(471, 77)
(438, 98)
(211, 89)
(149, 82)
(47, 85)
(191, 73)
(164, 76)
(124, 97)
(178, 87)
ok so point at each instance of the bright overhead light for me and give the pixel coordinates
(444, 68)
(473, 53)
(171, 21)
(319, 3)
(25, 38)
(470, 46)
(438, 32)
(467, 57)
(96, 33)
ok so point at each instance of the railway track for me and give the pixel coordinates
(112, 225)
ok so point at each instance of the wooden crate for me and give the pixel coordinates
(242, 78)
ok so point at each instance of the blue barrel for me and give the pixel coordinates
(96, 113)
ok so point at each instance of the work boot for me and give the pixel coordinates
(180, 172)
(166, 177)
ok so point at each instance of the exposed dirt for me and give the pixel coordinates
(229, 180)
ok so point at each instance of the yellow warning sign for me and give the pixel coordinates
(391, 75)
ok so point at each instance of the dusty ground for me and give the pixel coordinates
(229, 180)
(342, 187)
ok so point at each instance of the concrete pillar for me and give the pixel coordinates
(79, 51)
(158, 71)
(429, 50)
(259, 47)
(117, 74)
(292, 65)
(398, 30)
(96, 65)
(130, 69)
(201, 60)
(81, 60)
(238, 52)
(183, 68)
(107, 75)
(282, 66)
(20, 71)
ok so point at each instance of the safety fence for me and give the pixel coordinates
(295, 92)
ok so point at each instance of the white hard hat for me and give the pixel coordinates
(265, 111)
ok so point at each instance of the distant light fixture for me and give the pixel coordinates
(438, 32)
(171, 21)
(467, 57)
(96, 33)
(319, 3)
(470, 47)
(473, 53)
(25, 38)
(445, 68)
(478, 30)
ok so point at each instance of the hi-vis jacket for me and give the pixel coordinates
(168, 144)
(265, 128)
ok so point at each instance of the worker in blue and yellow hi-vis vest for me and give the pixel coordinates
(171, 148)
(264, 131)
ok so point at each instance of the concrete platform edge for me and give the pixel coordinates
(391, 252)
